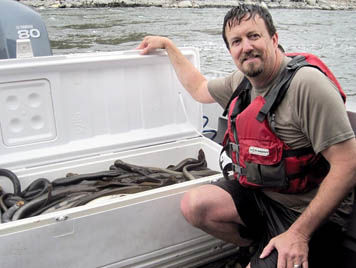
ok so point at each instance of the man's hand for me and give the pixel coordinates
(150, 43)
(292, 249)
(189, 76)
(292, 245)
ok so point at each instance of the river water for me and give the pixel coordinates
(329, 34)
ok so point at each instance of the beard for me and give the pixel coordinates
(252, 69)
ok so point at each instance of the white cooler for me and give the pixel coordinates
(80, 113)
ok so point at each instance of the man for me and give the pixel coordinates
(311, 114)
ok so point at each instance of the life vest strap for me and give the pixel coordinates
(285, 78)
(228, 148)
(297, 152)
(299, 174)
(239, 170)
(296, 62)
(245, 85)
(233, 147)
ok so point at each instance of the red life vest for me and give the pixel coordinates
(259, 157)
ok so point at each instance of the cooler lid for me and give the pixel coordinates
(59, 108)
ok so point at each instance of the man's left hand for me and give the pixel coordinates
(292, 249)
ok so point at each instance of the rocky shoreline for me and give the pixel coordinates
(293, 4)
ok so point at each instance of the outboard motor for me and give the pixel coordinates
(22, 32)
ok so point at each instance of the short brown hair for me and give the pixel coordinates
(236, 14)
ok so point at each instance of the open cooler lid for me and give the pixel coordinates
(59, 108)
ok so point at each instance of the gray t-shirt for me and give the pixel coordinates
(312, 113)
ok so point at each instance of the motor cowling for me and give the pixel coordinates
(22, 27)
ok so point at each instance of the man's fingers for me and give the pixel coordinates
(267, 250)
(145, 51)
(288, 260)
(305, 264)
(282, 262)
(140, 46)
(151, 43)
(143, 46)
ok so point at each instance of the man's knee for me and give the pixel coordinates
(193, 208)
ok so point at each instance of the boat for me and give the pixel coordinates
(80, 113)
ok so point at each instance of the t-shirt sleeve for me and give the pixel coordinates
(221, 89)
(320, 109)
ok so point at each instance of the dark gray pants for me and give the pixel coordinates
(265, 219)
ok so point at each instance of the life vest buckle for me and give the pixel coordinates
(296, 62)
(237, 169)
(233, 147)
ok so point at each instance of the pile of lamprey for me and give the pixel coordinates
(44, 196)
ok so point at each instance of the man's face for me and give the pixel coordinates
(251, 47)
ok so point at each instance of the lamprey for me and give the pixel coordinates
(201, 163)
(45, 195)
(54, 195)
(6, 217)
(13, 178)
(74, 179)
